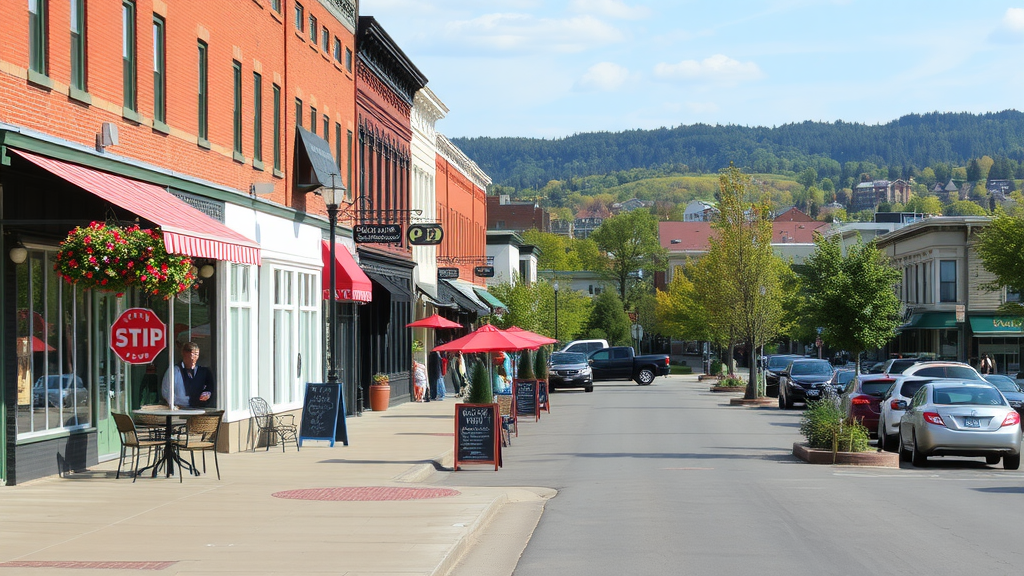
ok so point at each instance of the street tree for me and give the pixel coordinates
(1001, 248)
(608, 320)
(743, 279)
(963, 208)
(532, 307)
(851, 299)
(631, 242)
(680, 315)
(924, 205)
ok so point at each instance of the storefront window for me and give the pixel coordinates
(296, 333)
(241, 306)
(51, 346)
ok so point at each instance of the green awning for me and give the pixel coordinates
(996, 325)
(932, 320)
(493, 302)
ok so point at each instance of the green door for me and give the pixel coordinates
(108, 376)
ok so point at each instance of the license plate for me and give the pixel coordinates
(812, 393)
(972, 422)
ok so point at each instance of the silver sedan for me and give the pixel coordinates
(960, 418)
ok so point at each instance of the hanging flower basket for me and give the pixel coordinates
(113, 259)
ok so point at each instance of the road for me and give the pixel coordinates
(669, 479)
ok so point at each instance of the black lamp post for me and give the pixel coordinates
(332, 195)
(555, 286)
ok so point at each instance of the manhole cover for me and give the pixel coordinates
(366, 494)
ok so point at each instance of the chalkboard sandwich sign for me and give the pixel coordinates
(527, 398)
(323, 414)
(477, 435)
(543, 402)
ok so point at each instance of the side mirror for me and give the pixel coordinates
(590, 361)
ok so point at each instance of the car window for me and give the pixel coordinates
(811, 368)
(601, 354)
(967, 395)
(908, 389)
(875, 387)
(962, 372)
(779, 362)
(568, 358)
(938, 371)
(595, 346)
(901, 365)
(620, 353)
(1004, 383)
(581, 347)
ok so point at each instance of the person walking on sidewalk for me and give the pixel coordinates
(988, 366)
(434, 376)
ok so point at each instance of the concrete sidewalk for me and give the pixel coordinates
(238, 525)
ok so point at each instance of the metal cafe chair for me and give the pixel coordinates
(276, 427)
(200, 436)
(130, 439)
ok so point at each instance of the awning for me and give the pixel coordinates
(931, 321)
(489, 298)
(463, 297)
(314, 164)
(186, 230)
(350, 283)
(398, 292)
(424, 296)
(996, 326)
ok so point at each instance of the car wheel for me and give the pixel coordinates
(917, 458)
(645, 377)
(782, 402)
(904, 453)
(1011, 462)
(992, 460)
(588, 388)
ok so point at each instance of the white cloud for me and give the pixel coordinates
(612, 9)
(525, 33)
(1011, 27)
(604, 77)
(718, 68)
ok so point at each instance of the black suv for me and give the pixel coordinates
(804, 379)
(774, 364)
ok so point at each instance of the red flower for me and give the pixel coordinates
(103, 282)
(143, 277)
(88, 274)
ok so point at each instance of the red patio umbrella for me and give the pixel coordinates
(40, 346)
(540, 339)
(487, 338)
(433, 321)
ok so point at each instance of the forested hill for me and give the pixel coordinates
(911, 142)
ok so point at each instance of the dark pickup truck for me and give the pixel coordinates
(619, 363)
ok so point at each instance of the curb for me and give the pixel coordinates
(727, 389)
(464, 543)
(871, 458)
(441, 463)
(756, 402)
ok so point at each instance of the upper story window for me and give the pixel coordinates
(37, 40)
(947, 281)
(257, 117)
(325, 40)
(313, 30)
(159, 73)
(236, 69)
(337, 49)
(300, 17)
(312, 119)
(78, 45)
(128, 54)
(298, 112)
(1012, 295)
(275, 5)
(277, 127)
(348, 59)
(203, 130)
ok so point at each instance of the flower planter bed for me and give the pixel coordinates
(756, 402)
(869, 458)
(728, 388)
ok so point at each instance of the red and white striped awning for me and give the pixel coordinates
(186, 230)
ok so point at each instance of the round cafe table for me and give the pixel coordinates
(170, 455)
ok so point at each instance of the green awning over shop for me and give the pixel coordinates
(932, 320)
(996, 325)
(493, 302)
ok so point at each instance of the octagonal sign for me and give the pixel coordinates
(137, 336)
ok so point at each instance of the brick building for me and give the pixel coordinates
(504, 214)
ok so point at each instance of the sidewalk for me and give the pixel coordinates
(238, 526)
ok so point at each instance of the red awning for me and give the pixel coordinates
(186, 230)
(350, 283)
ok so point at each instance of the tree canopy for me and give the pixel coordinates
(630, 240)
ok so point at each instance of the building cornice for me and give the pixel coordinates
(380, 54)
(462, 163)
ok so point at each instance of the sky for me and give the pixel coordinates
(551, 69)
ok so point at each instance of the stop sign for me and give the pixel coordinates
(137, 336)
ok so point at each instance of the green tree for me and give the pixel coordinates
(851, 299)
(589, 255)
(532, 307)
(678, 313)
(924, 205)
(809, 177)
(555, 250)
(963, 208)
(631, 242)
(609, 320)
(1001, 247)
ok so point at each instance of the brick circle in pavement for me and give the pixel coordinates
(366, 494)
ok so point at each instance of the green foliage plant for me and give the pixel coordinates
(730, 383)
(1001, 247)
(526, 366)
(631, 241)
(608, 319)
(716, 367)
(540, 364)
(825, 426)
(479, 385)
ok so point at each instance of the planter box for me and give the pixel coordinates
(869, 458)
(756, 402)
(739, 389)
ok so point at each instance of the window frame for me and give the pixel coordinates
(129, 55)
(236, 111)
(38, 39)
(314, 36)
(348, 59)
(277, 127)
(327, 128)
(203, 115)
(257, 117)
(325, 39)
(159, 69)
(312, 119)
(946, 284)
(298, 112)
(79, 75)
(337, 50)
(300, 17)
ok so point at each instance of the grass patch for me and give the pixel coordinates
(680, 370)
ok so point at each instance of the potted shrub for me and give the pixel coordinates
(479, 385)
(380, 392)
(826, 427)
(540, 369)
(526, 366)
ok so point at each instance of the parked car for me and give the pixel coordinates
(898, 365)
(802, 380)
(775, 364)
(59, 390)
(1011, 391)
(584, 346)
(892, 406)
(960, 418)
(862, 396)
(944, 369)
(570, 370)
(620, 363)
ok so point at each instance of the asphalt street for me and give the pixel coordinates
(669, 479)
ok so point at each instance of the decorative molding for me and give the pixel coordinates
(458, 158)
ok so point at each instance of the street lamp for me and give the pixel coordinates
(332, 196)
(555, 286)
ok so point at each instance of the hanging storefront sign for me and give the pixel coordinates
(377, 233)
(447, 273)
(425, 234)
(484, 271)
(137, 336)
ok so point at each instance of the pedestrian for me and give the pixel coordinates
(456, 376)
(193, 384)
(434, 375)
(988, 366)
(419, 380)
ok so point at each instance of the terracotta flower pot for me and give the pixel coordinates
(380, 396)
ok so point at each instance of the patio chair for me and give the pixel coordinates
(200, 436)
(276, 427)
(154, 427)
(508, 420)
(130, 439)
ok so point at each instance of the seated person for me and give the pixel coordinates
(193, 384)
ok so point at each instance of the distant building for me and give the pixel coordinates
(794, 214)
(589, 219)
(999, 188)
(699, 211)
(630, 205)
(504, 214)
(868, 195)
(563, 227)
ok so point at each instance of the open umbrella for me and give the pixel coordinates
(488, 339)
(540, 339)
(433, 321)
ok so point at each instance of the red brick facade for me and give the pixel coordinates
(462, 210)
